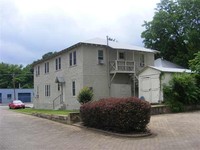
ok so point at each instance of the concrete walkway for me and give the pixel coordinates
(19, 131)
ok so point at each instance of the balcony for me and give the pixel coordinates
(122, 66)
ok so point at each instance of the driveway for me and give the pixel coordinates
(19, 131)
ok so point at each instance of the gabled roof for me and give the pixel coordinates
(116, 45)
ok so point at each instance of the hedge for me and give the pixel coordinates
(117, 114)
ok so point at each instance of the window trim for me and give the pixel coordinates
(72, 58)
(121, 52)
(58, 63)
(100, 57)
(47, 90)
(142, 60)
(46, 67)
(37, 70)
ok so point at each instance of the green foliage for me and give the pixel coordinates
(14, 75)
(117, 114)
(182, 90)
(85, 95)
(195, 63)
(47, 55)
(174, 30)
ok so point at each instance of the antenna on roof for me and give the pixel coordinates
(110, 39)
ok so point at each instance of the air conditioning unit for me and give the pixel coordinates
(101, 62)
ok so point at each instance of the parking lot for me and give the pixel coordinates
(172, 132)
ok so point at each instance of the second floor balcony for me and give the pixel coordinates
(122, 66)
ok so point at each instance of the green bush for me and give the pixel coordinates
(182, 90)
(85, 95)
(117, 114)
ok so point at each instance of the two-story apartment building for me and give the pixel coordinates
(108, 68)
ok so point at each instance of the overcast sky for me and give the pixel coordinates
(31, 28)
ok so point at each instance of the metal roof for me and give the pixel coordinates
(102, 42)
(164, 69)
(117, 45)
(160, 62)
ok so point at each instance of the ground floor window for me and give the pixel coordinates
(47, 90)
(73, 88)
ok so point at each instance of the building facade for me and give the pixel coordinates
(109, 69)
(8, 95)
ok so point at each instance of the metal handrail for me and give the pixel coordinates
(56, 99)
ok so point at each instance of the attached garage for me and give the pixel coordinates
(152, 79)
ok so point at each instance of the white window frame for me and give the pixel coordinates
(121, 52)
(100, 57)
(46, 67)
(38, 70)
(72, 58)
(58, 63)
(142, 60)
(47, 90)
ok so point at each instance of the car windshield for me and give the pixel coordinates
(17, 102)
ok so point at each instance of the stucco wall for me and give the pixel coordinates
(95, 75)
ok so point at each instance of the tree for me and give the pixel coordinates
(85, 95)
(195, 63)
(174, 30)
(47, 55)
(12, 76)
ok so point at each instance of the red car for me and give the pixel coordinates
(16, 104)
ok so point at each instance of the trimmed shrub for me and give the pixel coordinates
(85, 95)
(117, 114)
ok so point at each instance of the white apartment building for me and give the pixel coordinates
(108, 68)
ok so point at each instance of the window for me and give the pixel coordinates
(9, 96)
(37, 70)
(142, 63)
(73, 88)
(37, 92)
(47, 90)
(59, 86)
(46, 67)
(58, 63)
(72, 58)
(121, 55)
(100, 54)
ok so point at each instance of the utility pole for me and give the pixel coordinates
(14, 86)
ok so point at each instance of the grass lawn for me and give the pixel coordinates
(44, 111)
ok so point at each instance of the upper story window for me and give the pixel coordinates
(58, 63)
(142, 60)
(37, 70)
(46, 67)
(121, 55)
(100, 57)
(100, 54)
(72, 58)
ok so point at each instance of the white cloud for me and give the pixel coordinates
(35, 27)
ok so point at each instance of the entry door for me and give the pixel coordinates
(151, 88)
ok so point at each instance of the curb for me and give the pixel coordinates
(125, 135)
